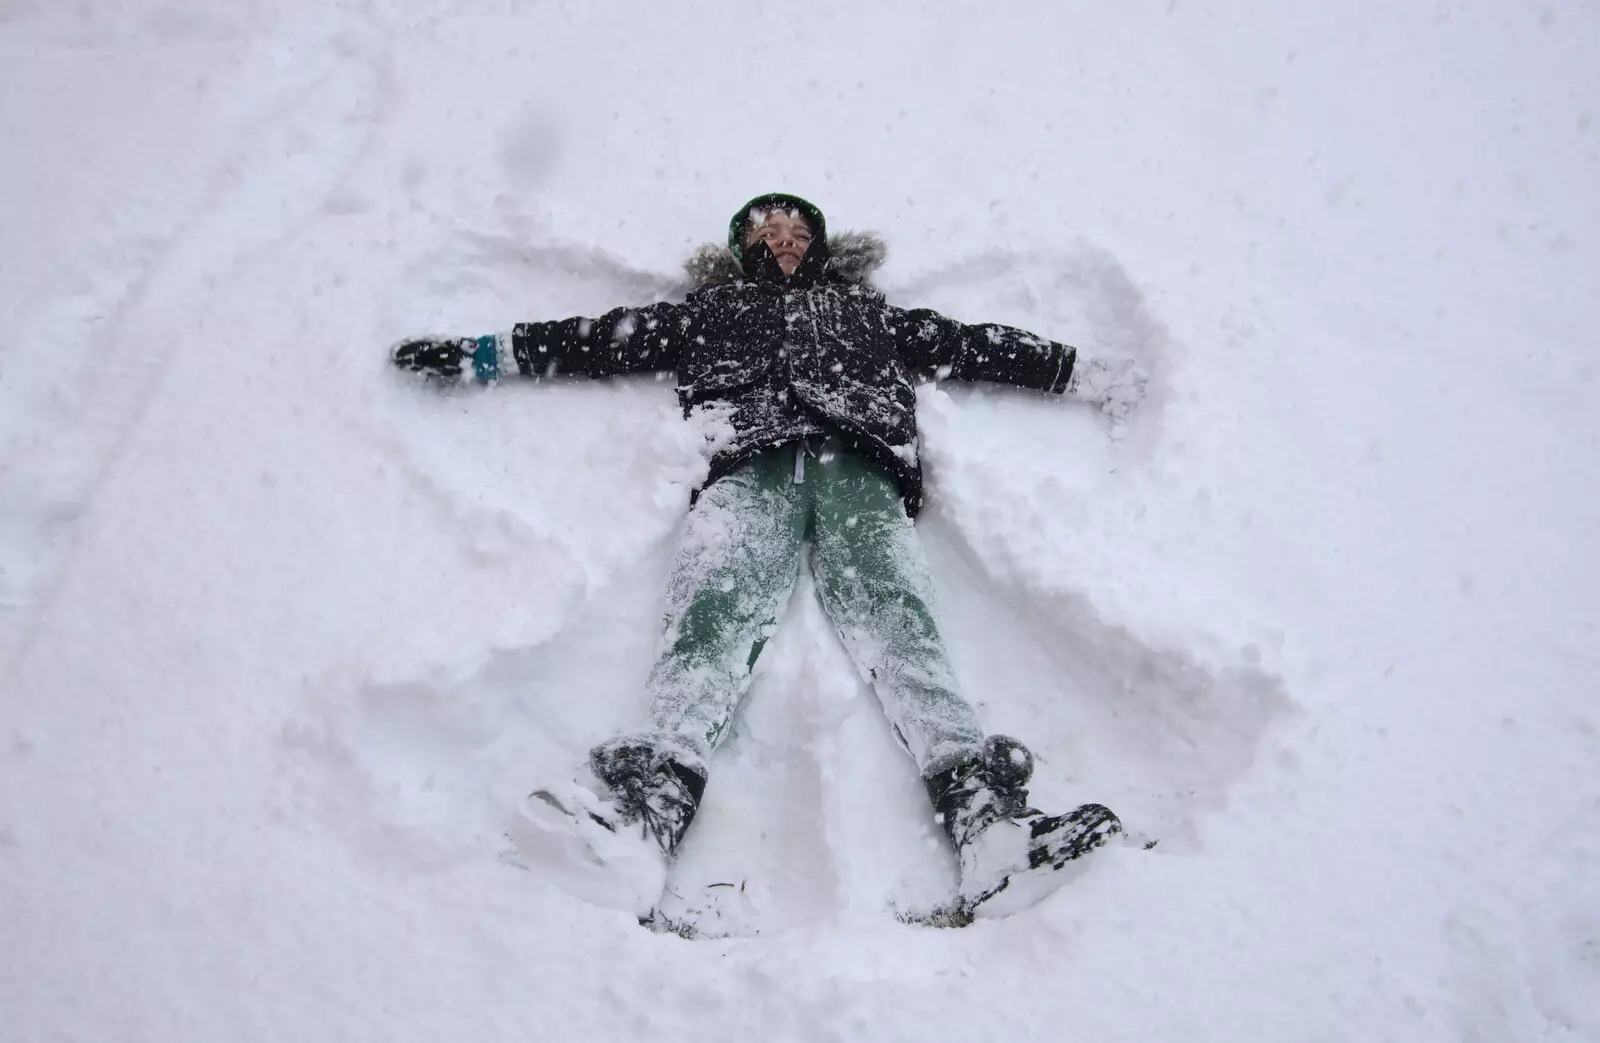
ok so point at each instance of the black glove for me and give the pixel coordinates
(444, 359)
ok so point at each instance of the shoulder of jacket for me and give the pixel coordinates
(718, 293)
(861, 290)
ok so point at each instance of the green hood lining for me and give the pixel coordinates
(809, 211)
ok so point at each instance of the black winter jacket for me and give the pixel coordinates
(817, 352)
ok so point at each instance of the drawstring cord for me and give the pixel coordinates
(819, 447)
(811, 446)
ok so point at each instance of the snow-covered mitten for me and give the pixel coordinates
(434, 357)
(451, 358)
(1115, 385)
(607, 837)
(1011, 855)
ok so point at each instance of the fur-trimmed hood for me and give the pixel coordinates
(854, 256)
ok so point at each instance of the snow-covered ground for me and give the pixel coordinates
(283, 636)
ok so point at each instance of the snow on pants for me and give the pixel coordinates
(736, 567)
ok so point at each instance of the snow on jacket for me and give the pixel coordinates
(820, 351)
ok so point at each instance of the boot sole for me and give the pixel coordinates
(1053, 864)
(577, 852)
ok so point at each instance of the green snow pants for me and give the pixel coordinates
(731, 580)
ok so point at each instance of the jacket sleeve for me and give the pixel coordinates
(942, 348)
(623, 340)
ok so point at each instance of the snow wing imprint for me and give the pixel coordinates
(1149, 718)
(420, 765)
(488, 278)
(1079, 295)
(1157, 726)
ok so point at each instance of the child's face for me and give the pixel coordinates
(786, 234)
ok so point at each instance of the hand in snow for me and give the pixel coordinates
(1115, 385)
(441, 359)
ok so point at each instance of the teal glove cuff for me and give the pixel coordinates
(486, 358)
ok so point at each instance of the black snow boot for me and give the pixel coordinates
(1002, 844)
(650, 788)
(609, 838)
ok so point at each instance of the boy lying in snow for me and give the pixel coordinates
(814, 373)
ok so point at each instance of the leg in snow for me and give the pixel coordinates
(731, 580)
(874, 584)
(876, 588)
(608, 838)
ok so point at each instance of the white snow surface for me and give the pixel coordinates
(284, 636)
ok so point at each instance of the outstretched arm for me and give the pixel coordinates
(943, 348)
(623, 340)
